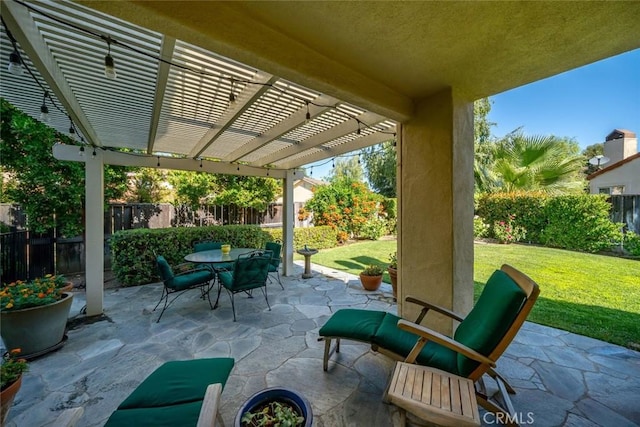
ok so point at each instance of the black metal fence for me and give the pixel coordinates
(626, 209)
(25, 255)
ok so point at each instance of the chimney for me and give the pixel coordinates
(619, 145)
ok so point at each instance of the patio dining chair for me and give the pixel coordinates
(196, 278)
(274, 264)
(250, 271)
(478, 342)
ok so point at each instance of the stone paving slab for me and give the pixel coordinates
(561, 379)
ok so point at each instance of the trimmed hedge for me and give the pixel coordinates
(576, 222)
(528, 208)
(580, 223)
(133, 251)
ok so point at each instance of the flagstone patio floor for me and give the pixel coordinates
(560, 378)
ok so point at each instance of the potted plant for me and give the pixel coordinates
(33, 315)
(277, 406)
(371, 277)
(393, 272)
(10, 380)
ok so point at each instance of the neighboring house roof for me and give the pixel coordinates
(614, 166)
(620, 133)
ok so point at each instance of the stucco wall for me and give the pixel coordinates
(627, 175)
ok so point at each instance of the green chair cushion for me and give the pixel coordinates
(390, 337)
(228, 266)
(226, 278)
(165, 270)
(353, 324)
(206, 246)
(489, 320)
(191, 279)
(179, 382)
(185, 414)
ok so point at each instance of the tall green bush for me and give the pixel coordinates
(133, 252)
(580, 223)
(527, 207)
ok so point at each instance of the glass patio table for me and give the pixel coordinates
(215, 256)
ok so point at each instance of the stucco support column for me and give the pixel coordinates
(288, 222)
(94, 231)
(436, 207)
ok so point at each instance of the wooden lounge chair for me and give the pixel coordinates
(480, 339)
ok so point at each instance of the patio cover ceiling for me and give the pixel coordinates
(359, 65)
(179, 105)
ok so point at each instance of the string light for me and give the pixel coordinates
(109, 64)
(308, 116)
(15, 63)
(232, 96)
(72, 128)
(333, 163)
(358, 131)
(158, 161)
(200, 163)
(44, 110)
(94, 152)
(82, 151)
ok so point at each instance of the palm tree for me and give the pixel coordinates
(518, 162)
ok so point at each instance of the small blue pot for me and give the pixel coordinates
(282, 394)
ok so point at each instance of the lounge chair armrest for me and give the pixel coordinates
(427, 334)
(426, 306)
(210, 404)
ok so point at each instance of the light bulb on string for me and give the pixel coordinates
(333, 163)
(109, 63)
(200, 163)
(158, 161)
(72, 129)
(358, 131)
(94, 152)
(232, 96)
(82, 151)
(308, 115)
(44, 110)
(15, 63)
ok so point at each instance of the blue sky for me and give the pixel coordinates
(585, 104)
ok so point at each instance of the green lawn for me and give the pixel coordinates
(592, 295)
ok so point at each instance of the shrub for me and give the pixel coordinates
(580, 223)
(373, 229)
(507, 232)
(528, 208)
(632, 243)
(323, 237)
(480, 229)
(344, 205)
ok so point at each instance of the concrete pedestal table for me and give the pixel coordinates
(307, 261)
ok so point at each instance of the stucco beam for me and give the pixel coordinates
(73, 153)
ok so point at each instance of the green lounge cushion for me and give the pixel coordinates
(185, 414)
(489, 320)
(390, 337)
(179, 382)
(353, 323)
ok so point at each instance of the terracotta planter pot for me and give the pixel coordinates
(6, 399)
(370, 283)
(393, 275)
(35, 330)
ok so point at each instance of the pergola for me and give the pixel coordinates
(310, 81)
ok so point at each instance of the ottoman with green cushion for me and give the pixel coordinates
(172, 395)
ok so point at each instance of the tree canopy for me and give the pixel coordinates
(380, 167)
(349, 168)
